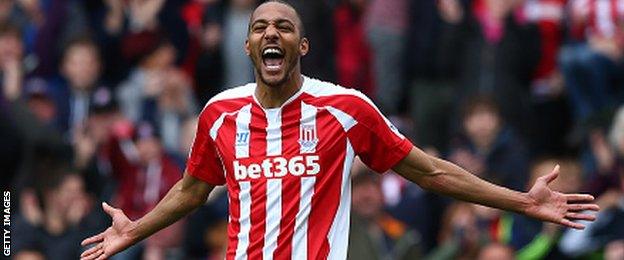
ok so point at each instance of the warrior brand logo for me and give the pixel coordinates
(308, 138)
(242, 139)
(278, 167)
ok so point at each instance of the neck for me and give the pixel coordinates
(276, 96)
(53, 222)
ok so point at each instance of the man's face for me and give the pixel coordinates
(81, 66)
(482, 127)
(274, 43)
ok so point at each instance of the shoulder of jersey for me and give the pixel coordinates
(244, 91)
(319, 88)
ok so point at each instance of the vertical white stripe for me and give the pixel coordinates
(300, 238)
(274, 132)
(244, 197)
(338, 236)
(241, 142)
(273, 217)
(604, 17)
(307, 129)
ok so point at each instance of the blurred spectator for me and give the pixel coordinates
(608, 186)
(80, 73)
(609, 154)
(144, 174)
(374, 233)
(497, 56)
(430, 73)
(614, 250)
(608, 227)
(465, 228)
(320, 31)
(204, 233)
(385, 26)
(238, 68)
(548, 100)
(64, 218)
(60, 22)
(592, 68)
(496, 251)
(156, 91)
(209, 68)
(30, 111)
(534, 239)
(187, 134)
(353, 55)
(488, 147)
(92, 145)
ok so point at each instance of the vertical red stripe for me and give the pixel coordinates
(614, 16)
(593, 25)
(257, 149)
(291, 185)
(332, 140)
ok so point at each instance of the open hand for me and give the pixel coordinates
(557, 207)
(113, 240)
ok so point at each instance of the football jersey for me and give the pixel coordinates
(287, 169)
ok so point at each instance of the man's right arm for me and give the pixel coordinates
(185, 196)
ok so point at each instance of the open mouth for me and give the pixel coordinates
(273, 58)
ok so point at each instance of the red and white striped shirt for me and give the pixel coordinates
(602, 18)
(287, 169)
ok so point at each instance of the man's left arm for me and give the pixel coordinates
(540, 202)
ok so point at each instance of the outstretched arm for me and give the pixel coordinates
(540, 202)
(185, 196)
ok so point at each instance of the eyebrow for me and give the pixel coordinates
(278, 21)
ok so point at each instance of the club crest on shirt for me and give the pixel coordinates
(242, 138)
(307, 138)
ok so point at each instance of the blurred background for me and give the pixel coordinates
(99, 101)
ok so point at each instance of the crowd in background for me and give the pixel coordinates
(99, 101)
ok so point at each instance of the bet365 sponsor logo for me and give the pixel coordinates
(278, 167)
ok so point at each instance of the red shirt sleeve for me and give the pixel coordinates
(375, 140)
(204, 162)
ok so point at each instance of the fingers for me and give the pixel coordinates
(580, 216)
(91, 250)
(108, 209)
(90, 255)
(568, 223)
(552, 175)
(101, 257)
(579, 197)
(583, 207)
(93, 239)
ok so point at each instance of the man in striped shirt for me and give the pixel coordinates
(284, 145)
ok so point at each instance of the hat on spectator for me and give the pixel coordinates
(145, 130)
(102, 101)
(37, 88)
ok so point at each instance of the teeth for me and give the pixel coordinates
(272, 50)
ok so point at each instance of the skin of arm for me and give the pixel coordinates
(446, 178)
(540, 202)
(186, 195)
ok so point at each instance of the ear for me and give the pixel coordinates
(304, 46)
(247, 51)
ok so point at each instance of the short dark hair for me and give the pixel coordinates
(480, 103)
(82, 40)
(11, 30)
(300, 24)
